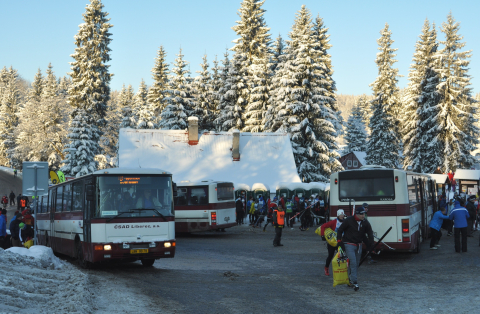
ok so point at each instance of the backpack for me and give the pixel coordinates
(289, 207)
(4, 200)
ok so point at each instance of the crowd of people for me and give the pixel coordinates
(20, 226)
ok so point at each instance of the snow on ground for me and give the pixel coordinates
(36, 281)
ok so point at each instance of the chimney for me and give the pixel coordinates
(236, 145)
(192, 130)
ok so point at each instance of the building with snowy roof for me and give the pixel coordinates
(242, 158)
(353, 160)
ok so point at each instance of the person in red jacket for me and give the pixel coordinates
(334, 225)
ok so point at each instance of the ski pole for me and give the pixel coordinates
(373, 248)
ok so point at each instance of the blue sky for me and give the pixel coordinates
(35, 33)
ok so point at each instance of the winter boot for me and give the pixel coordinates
(355, 286)
(326, 272)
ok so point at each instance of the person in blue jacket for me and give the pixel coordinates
(435, 226)
(459, 215)
(3, 230)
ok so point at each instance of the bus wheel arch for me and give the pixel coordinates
(79, 254)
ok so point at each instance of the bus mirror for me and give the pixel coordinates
(174, 189)
(90, 192)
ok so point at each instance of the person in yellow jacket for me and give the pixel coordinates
(278, 223)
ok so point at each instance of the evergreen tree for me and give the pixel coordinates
(422, 149)
(383, 146)
(144, 114)
(109, 138)
(366, 109)
(8, 118)
(180, 101)
(215, 86)
(252, 44)
(256, 109)
(83, 140)
(356, 135)
(125, 104)
(233, 99)
(158, 91)
(35, 93)
(301, 106)
(277, 52)
(203, 95)
(224, 75)
(458, 109)
(90, 90)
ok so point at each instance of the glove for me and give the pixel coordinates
(341, 245)
(323, 238)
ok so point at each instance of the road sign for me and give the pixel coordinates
(35, 178)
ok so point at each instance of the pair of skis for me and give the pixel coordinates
(373, 248)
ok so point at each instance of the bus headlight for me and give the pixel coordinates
(126, 245)
(153, 244)
(107, 247)
(167, 244)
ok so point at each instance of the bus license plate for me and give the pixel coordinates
(139, 251)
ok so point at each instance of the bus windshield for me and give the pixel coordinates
(370, 185)
(134, 196)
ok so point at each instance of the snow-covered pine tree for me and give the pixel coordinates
(89, 91)
(387, 79)
(459, 135)
(277, 51)
(233, 100)
(224, 75)
(143, 113)
(216, 84)
(83, 137)
(158, 91)
(63, 85)
(356, 135)
(383, 145)
(109, 138)
(302, 108)
(203, 96)
(422, 150)
(253, 43)
(180, 99)
(366, 108)
(35, 93)
(259, 97)
(125, 104)
(8, 118)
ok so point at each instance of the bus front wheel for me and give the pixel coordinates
(148, 262)
(80, 259)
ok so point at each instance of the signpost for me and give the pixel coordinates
(35, 183)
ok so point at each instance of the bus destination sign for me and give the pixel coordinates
(128, 180)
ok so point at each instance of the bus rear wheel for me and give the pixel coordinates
(148, 262)
(80, 259)
(419, 237)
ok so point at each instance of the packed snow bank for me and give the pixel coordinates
(41, 254)
(36, 281)
(7, 169)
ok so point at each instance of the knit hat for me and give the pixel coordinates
(18, 216)
(360, 210)
(340, 212)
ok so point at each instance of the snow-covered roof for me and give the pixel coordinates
(317, 185)
(361, 157)
(293, 186)
(264, 157)
(132, 170)
(260, 186)
(439, 178)
(197, 183)
(467, 174)
(242, 187)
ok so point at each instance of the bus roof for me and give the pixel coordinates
(198, 183)
(131, 171)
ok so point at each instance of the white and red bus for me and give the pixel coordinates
(205, 205)
(398, 198)
(112, 214)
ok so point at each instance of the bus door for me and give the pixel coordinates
(51, 234)
(424, 208)
(88, 210)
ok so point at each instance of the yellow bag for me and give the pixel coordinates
(319, 231)
(331, 237)
(28, 244)
(340, 271)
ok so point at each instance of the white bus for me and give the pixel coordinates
(205, 205)
(112, 214)
(402, 199)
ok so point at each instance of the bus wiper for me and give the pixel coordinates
(110, 219)
(156, 212)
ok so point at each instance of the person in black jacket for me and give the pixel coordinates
(239, 211)
(350, 236)
(12, 198)
(15, 231)
(472, 211)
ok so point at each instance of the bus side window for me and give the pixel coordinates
(77, 191)
(58, 207)
(51, 200)
(67, 197)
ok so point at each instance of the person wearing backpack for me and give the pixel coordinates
(4, 201)
(289, 213)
